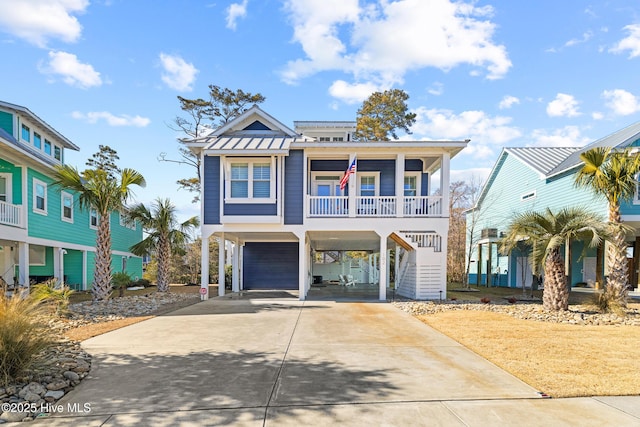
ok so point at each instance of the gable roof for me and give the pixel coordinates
(24, 110)
(542, 159)
(253, 132)
(620, 139)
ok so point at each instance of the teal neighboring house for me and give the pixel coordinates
(533, 179)
(43, 232)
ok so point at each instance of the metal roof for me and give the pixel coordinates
(250, 144)
(620, 139)
(542, 159)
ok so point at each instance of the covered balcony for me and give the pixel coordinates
(375, 206)
(10, 214)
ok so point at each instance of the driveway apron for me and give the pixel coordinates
(285, 362)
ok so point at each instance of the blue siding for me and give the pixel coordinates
(270, 265)
(250, 209)
(387, 169)
(330, 165)
(211, 186)
(293, 191)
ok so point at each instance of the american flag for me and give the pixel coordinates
(345, 178)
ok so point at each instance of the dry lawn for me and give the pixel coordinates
(558, 359)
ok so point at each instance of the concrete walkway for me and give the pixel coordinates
(281, 362)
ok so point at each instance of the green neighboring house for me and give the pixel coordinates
(43, 232)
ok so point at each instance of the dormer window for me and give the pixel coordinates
(26, 133)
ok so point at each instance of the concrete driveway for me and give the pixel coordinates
(278, 362)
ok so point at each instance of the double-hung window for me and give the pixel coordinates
(37, 140)
(57, 153)
(251, 180)
(411, 185)
(39, 197)
(93, 218)
(47, 146)
(67, 206)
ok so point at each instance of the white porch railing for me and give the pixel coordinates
(424, 239)
(328, 206)
(375, 206)
(10, 214)
(423, 206)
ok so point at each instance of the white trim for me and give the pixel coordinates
(8, 186)
(91, 226)
(35, 183)
(418, 176)
(63, 195)
(250, 219)
(375, 175)
(250, 161)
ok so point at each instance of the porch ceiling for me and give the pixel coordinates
(344, 240)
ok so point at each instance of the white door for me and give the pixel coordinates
(589, 270)
(523, 268)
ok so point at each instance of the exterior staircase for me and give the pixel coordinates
(421, 269)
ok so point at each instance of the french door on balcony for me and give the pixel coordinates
(327, 197)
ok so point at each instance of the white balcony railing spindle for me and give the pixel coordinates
(376, 206)
(10, 214)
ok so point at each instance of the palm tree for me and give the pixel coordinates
(165, 235)
(546, 232)
(97, 189)
(612, 174)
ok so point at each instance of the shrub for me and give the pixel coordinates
(120, 281)
(23, 335)
(54, 294)
(606, 303)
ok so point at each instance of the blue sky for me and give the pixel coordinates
(501, 73)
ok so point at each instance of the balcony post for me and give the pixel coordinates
(352, 186)
(400, 185)
(444, 183)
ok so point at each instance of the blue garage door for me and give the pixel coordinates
(270, 265)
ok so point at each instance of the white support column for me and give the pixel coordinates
(444, 183)
(400, 185)
(23, 264)
(384, 278)
(353, 189)
(60, 264)
(235, 283)
(204, 269)
(304, 267)
(241, 267)
(57, 266)
(221, 260)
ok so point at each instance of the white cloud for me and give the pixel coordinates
(486, 132)
(383, 38)
(568, 136)
(72, 71)
(352, 93)
(37, 21)
(234, 12)
(111, 119)
(585, 38)
(507, 102)
(178, 74)
(436, 89)
(621, 102)
(563, 106)
(597, 115)
(630, 43)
